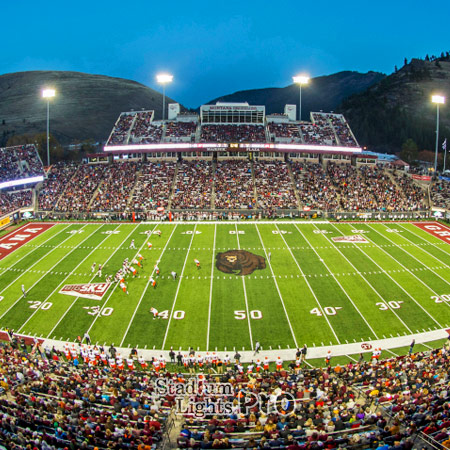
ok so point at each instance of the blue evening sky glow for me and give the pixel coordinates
(215, 48)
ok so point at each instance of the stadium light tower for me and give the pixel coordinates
(438, 100)
(164, 78)
(300, 80)
(48, 94)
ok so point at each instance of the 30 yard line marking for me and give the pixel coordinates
(324, 315)
(178, 289)
(245, 294)
(146, 287)
(340, 285)
(211, 289)
(367, 281)
(62, 282)
(395, 281)
(39, 279)
(30, 252)
(278, 289)
(104, 265)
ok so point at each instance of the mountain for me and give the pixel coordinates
(399, 107)
(322, 93)
(85, 107)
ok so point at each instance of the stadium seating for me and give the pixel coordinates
(180, 131)
(233, 133)
(19, 162)
(121, 130)
(13, 200)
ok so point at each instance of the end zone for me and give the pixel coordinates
(21, 236)
(436, 229)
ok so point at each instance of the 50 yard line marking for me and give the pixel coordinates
(278, 289)
(178, 289)
(245, 294)
(309, 286)
(104, 265)
(146, 287)
(211, 289)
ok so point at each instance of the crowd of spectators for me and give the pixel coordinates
(55, 183)
(153, 186)
(318, 133)
(119, 134)
(13, 200)
(234, 187)
(233, 133)
(193, 185)
(144, 131)
(19, 162)
(274, 186)
(114, 192)
(285, 130)
(440, 194)
(342, 129)
(180, 131)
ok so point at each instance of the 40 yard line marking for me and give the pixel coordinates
(32, 249)
(63, 281)
(178, 289)
(339, 284)
(104, 265)
(245, 294)
(309, 286)
(146, 287)
(278, 289)
(211, 289)
(367, 281)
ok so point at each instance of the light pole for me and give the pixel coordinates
(48, 94)
(164, 78)
(300, 79)
(438, 100)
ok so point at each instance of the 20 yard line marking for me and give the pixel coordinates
(211, 290)
(245, 295)
(309, 286)
(278, 289)
(339, 284)
(178, 289)
(104, 265)
(145, 289)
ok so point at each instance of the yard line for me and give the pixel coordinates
(104, 264)
(178, 288)
(29, 253)
(40, 259)
(418, 260)
(70, 273)
(211, 288)
(367, 281)
(351, 357)
(245, 294)
(395, 281)
(117, 284)
(37, 281)
(146, 286)
(427, 242)
(309, 286)
(278, 289)
(339, 284)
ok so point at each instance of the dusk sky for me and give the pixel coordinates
(215, 48)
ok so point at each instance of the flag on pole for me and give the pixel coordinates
(444, 144)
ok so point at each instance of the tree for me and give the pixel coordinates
(406, 61)
(410, 151)
(395, 69)
(40, 140)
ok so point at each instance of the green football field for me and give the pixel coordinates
(312, 290)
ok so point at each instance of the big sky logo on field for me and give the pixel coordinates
(354, 238)
(94, 291)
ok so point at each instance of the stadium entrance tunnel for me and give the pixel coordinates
(239, 262)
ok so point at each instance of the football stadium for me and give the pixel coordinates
(223, 279)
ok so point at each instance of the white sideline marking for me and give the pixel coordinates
(245, 294)
(104, 265)
(211, 289)
(62, 282)
(367, 281)
(278, 289)
(146, 287)
(339, 284)
(178, 289)
(309, 286)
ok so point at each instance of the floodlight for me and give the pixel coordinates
(48, 93)
(438, 99)
(301, 79)
(164, 78)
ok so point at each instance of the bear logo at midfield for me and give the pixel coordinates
(239, 262)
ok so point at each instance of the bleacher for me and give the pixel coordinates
(20, 162)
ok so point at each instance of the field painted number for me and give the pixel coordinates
(321, 231)
(95, 311)
(441, 298)
(239, 232)
(177, 315)
(393, 230)
(1, 298)
(111, 232)
(281, 232)
(393, 304)
(256, 314)
(360, 231)
(328, 310)
(36, 305)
